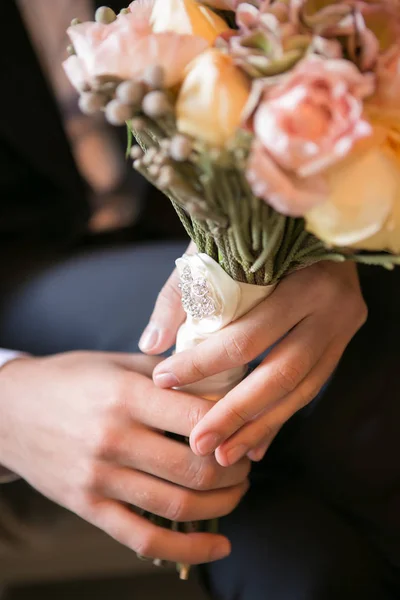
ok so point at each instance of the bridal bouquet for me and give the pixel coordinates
(272, 126)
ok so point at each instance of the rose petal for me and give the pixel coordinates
(314, 117)
(362, 192)
(287, 193)
(171, 51)
(124, 49)
(76, 72)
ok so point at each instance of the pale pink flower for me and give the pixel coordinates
(308, 122)
(126, 47)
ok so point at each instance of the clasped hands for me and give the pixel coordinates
(308, 322)
(86, 429)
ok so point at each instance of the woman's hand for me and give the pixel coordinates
(308, 322)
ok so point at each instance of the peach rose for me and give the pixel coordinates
(212, 98)
(304, 125)
(127, 47)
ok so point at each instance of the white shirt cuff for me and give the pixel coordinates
(7, 476)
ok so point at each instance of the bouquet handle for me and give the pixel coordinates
(212, 300)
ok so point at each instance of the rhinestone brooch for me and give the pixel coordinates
(197, 296)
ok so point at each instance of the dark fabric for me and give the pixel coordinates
(98, 300)
(41, 192)
(322, 519)
(290, 545)
(43, 199)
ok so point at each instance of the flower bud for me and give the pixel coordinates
(212, 98)
(154, 170)
(130, 92)
(180, 148)
(167, 178)
(156, 105)
(149, 156)
(136, 152)
(91, 102)
(118, 113)
(105, 15)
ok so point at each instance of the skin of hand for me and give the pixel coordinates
(307, 323)
(87, 431)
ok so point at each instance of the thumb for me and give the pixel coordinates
(168, 315)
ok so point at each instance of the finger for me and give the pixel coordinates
(140, 363)
(151, 541)
(147, 404)
(279, 374)
(165, 499)
(168, 315)
(239, 343)
(262, 431)
(258, 453)
(175, 462)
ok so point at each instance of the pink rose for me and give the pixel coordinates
(127, 47)
(303, 125)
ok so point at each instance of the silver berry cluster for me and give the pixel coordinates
(123, 100)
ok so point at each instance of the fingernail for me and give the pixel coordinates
(221, 550)
(165, 380)
(149, 339)
(236, 453)
(207, 443)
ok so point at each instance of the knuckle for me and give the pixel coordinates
(82, 504)
(178, 508)
(195, 413)
(323, 279)
(307, 392)
(106, 441)
(203, 476)
(288, 376)
(92, 477)
(238, 415)
(144, 545)
(196, 367)
(239, 348)
(269, 430)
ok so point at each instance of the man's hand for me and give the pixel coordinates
(308, 322)
(85, 429)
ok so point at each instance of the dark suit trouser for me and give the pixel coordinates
(321, 521)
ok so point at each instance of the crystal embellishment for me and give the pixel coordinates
(198, 299)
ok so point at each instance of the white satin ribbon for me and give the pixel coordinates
(233, 299)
